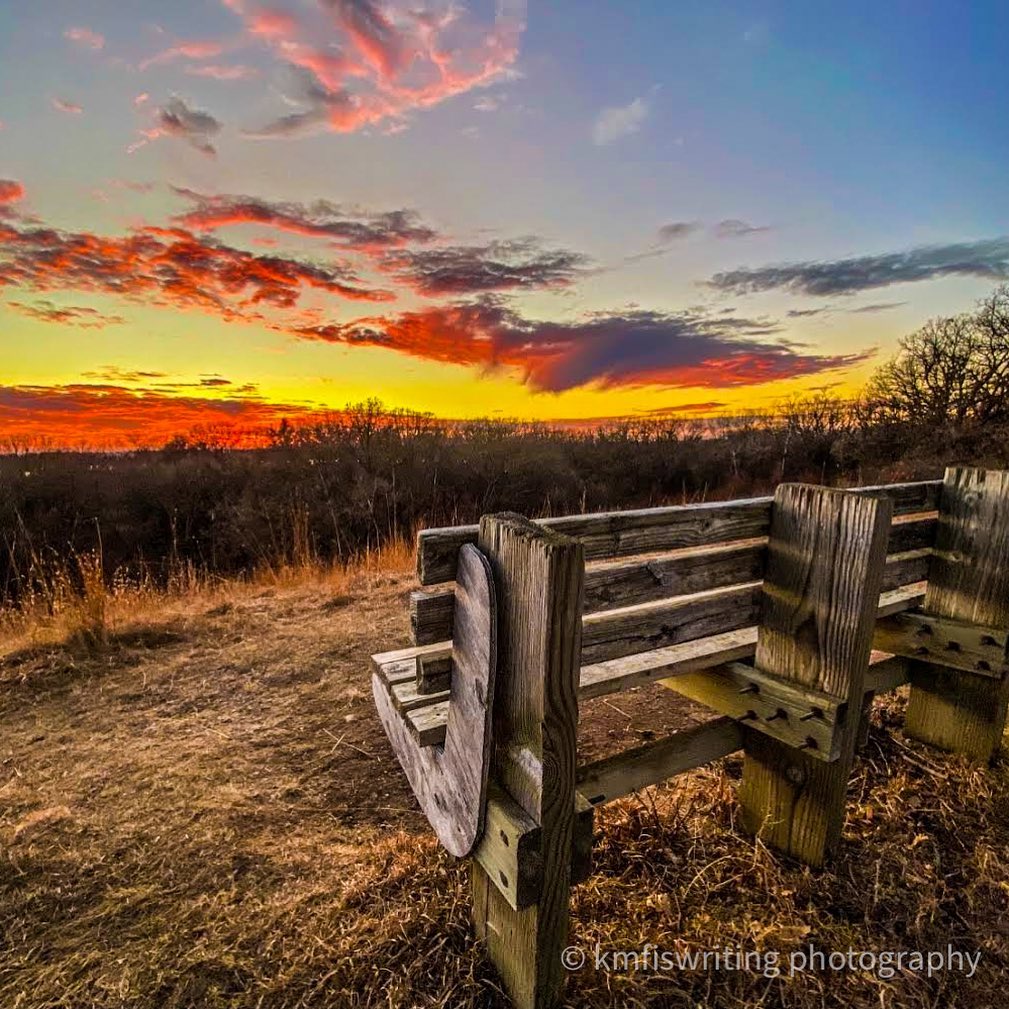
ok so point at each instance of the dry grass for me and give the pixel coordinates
(198, 809)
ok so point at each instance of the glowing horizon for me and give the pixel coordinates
(248, 211)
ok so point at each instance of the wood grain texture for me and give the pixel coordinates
(539, 577)
(653, 530)
(943, 641)
(792, 714)
(821, 594)
(450, 782)
(427, 719)
(610, 585)
(510, 849)
(612, 777)
(968, 581)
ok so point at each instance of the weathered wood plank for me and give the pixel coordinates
(450, 782)
(792, 714)
(539, 576)
(431, 613)
(510, 848)
(643, 628)
(821, 592)
(433, 674)
(942, 641)
(612, 777)
(614, 675)
(968, 581)
(611, 676)
(653, 530)
(610, 585)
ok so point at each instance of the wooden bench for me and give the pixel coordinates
(766, 610)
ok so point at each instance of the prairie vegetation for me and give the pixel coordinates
(199, 810)
(337, 490)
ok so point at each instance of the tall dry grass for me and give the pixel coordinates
(76, 601)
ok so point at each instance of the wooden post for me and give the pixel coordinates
(968, 580)
(539, 577)
(826, 554)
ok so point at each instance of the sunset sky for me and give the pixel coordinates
(236, 211)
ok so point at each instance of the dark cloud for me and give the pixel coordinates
(988, 259)
(348, 227)
(66, 315)
(177, 119)
(880, 306)
(731, 227)
(319, 106)
(676, 230)
(636, 348)
(805, 313)
(113, 373)
(518, 264)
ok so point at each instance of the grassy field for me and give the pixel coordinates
(198, 809)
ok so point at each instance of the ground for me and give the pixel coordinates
(199, 809)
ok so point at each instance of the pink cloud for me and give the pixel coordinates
(70, 108)
(85, 37)
(219, 72)
(141, 98)
(196, 49)
(371, 63)
(272, 24)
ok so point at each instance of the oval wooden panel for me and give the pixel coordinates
(450, 781)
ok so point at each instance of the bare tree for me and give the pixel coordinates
(952, 370)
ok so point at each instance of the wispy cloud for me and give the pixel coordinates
(618, 121)
(517, 264)
(675, 230)
(223, 72)
(67, 107)
(194, 49)
(373, 64)
(85, 38)
(177, 119)
(987, 259)
(665, 238)
(732, 227)
(66, 315)
(349, 228)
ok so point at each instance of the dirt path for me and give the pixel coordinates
(206, 814)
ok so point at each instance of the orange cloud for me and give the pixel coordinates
(168, 267)
(111, 416)
(11, 191)
(605, 350)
